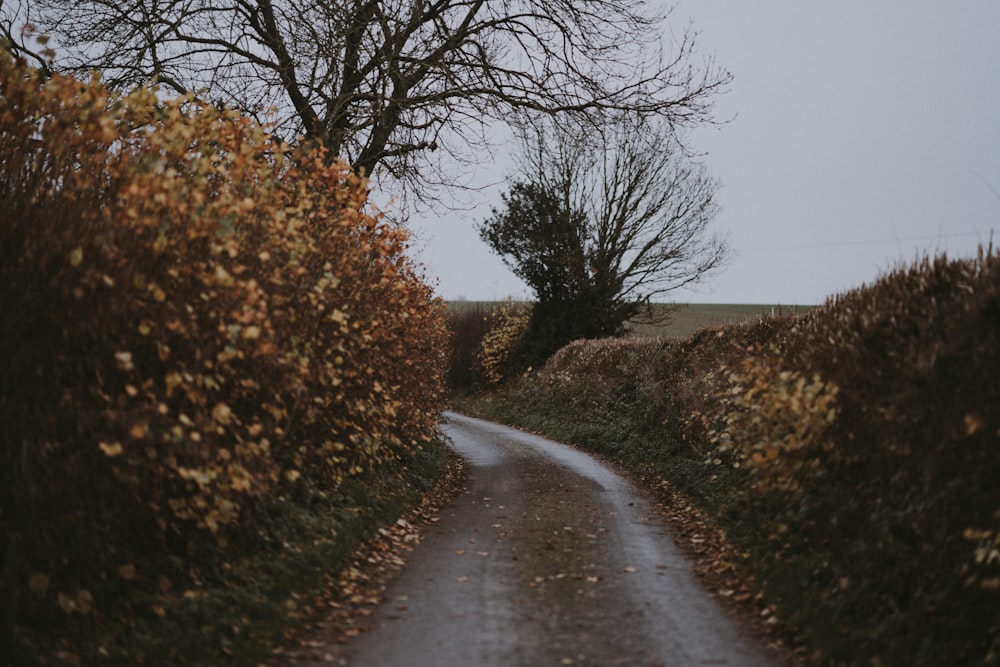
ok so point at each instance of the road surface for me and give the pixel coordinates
(547, 558)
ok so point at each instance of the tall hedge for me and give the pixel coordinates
(195, 317)
(851, 454)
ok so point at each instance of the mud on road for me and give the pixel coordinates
(547, 557)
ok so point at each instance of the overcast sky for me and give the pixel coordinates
(864, 133)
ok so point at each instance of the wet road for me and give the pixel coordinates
(546, 558)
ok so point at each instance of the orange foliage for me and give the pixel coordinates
(195, 314)
(508, 322)
(869, 429)
(774, 420)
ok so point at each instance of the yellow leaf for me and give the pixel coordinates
(124, 360)
(973, 423)
(173, 379)
(222, 414)
(222, 276)
(76, 256)
(111, 450)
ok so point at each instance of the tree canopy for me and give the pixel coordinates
(399, 88)
(599, 222)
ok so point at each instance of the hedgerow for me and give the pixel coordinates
(484, 338)
(850, 454)
(508, 323)
(467, 324)
(197, 319)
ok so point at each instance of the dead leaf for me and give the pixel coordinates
(124, 361)
(111, 450)
(973, 423)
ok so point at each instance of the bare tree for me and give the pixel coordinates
(385, 84)
(601, 221)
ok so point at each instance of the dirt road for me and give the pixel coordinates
(547, 558)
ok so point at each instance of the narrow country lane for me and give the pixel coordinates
(547, 558)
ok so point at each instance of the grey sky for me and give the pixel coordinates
(864, 134)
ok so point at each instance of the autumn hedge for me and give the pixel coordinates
(849, 453)
(196, 317)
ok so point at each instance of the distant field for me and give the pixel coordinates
(679, 320)
(683, 319)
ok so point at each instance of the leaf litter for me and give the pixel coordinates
(345, 605)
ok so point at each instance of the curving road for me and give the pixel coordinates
(547, 558)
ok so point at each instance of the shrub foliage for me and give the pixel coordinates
(196, 318)
(484, 340)
(509, 322)
(850, 453)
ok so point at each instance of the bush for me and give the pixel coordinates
(197, 319)
(508, 323)
(467, 324)
(850, 453)
(773, 420)
(483, 338)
